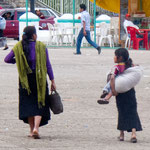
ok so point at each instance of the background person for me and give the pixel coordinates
(128, 22)
(2, 38)
(33, 65)
(39, 14)
(8, 16)
(85, 30)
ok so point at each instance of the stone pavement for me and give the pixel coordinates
(84, 125)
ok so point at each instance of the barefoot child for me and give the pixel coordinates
(122, 59)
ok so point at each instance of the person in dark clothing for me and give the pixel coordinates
(8, 16)
(33, 65)
(4, 40)
(128, 119)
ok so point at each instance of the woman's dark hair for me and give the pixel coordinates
(26, 38)
(122, 52)
(82, 6)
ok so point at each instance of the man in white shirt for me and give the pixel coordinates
(85, 30)
(128, 22)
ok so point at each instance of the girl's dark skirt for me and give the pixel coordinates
(127, 112)
(28, 104)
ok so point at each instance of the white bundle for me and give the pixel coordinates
(128, 79)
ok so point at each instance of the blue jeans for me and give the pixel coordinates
(107, 87)
(88, 38)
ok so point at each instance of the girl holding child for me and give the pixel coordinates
(128, 119)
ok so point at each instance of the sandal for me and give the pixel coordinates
(103, 101)
(120, 138)
(104, 94)
(134, 140)
(36, 135)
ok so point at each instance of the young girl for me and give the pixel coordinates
(128, 119)
(122, 59)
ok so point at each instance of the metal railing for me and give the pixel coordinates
(66, 6)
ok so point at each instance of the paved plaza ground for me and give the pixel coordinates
(84, 125)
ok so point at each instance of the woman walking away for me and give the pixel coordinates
(128, 119)
(33, 65)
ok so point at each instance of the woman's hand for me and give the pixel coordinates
(53, 85)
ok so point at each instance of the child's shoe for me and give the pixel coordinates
(102, 101)
(104, 94)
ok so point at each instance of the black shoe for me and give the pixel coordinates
(77, 53)
(5, 48)
(104, 94)
(99, 50)
(102, 101)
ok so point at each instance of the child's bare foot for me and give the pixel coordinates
(121, 137)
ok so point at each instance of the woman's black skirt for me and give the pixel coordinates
(28, 104)
(127, 111)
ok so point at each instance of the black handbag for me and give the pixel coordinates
(55, 102)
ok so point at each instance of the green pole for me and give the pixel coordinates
(95, 21)
(26, 12)
(73, 20)
(73, 15)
